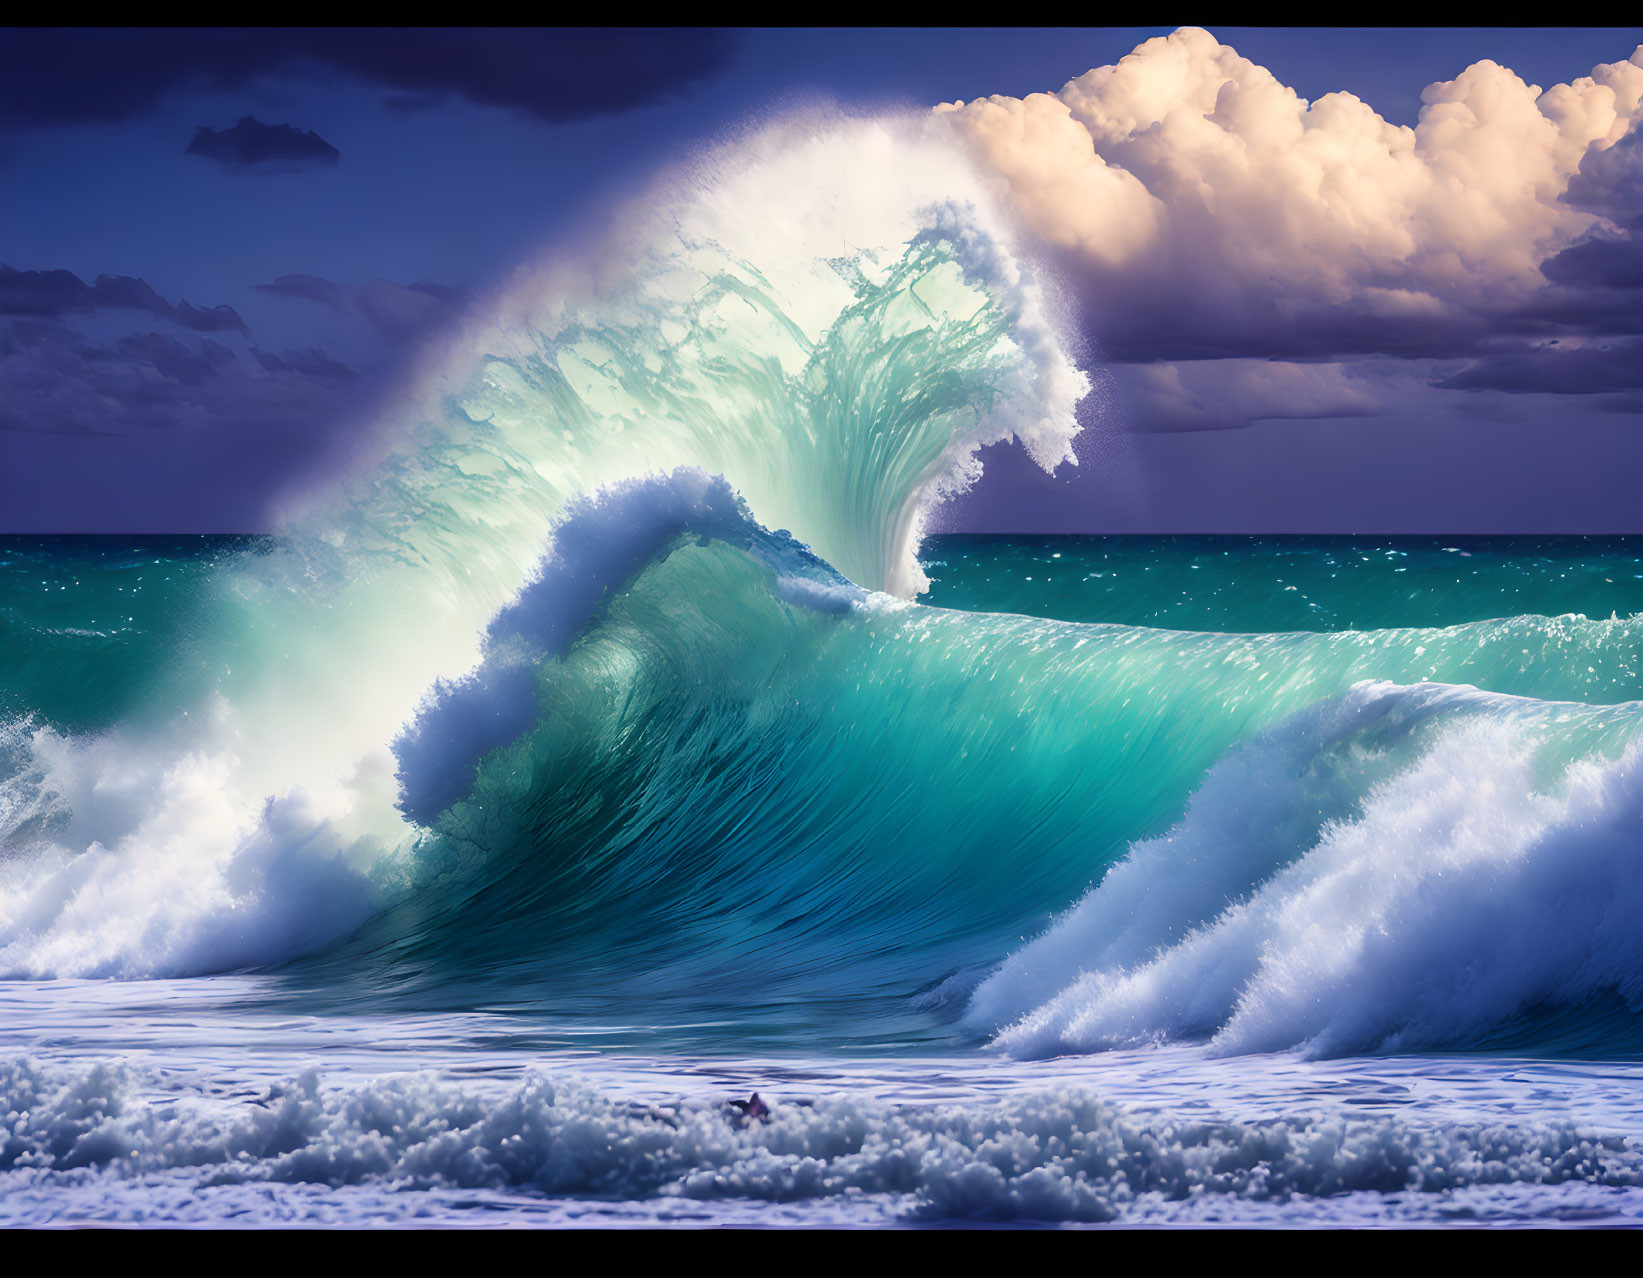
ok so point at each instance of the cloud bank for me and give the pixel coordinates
(56, 378)
(80, 76)
(51, 294)
(111, 420)
(1209, 213)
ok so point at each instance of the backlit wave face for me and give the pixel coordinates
(835, 359)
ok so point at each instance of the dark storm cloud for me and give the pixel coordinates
(1594, 289)
(175, 362)
(1610, 258)
(251, 142)
(82, 76)
(1574, 336)
(443, 293)
(123, 291)
(1222, 394)
(1133, 328)
(47, 294)
(55, 380)
(1556, 369)
(1601, 263)
(1610, 181)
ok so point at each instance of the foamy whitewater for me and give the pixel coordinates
(612, 742)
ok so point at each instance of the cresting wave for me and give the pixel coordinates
(605, 683)
(838, 357)
(1396, 870)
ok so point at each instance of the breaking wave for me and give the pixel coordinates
(603, 678)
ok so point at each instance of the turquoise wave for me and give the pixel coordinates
(600, 689)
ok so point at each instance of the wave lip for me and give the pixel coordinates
(597, 547)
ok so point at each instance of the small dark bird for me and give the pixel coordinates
(750, 1109)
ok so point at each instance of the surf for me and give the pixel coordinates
(600, 681)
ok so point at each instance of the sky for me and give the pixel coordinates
(1325, 280)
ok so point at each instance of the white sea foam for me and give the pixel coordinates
(182, 869)
(1404, 868)
(1057, 1154)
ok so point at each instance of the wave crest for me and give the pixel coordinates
(1402, 869)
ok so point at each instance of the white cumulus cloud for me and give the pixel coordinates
(1221, 213)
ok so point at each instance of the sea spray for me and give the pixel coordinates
(836, 357)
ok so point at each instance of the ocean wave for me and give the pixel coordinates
(1401, 869)
(839, 359)
(604, 681)
(598, 546)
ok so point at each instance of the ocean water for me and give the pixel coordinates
(613, 741)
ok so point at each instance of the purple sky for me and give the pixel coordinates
(1302, 318)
